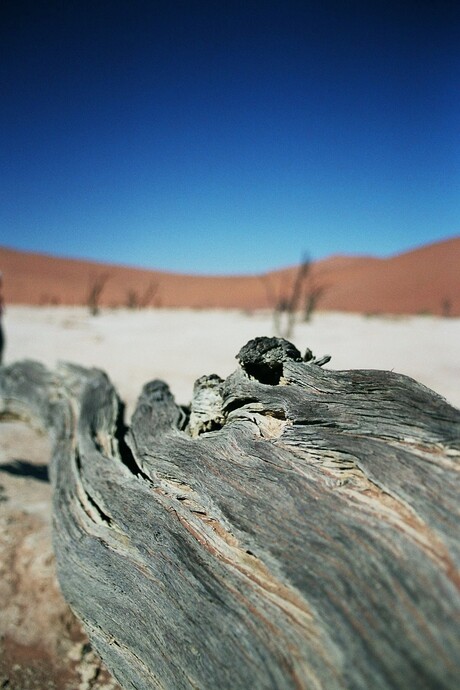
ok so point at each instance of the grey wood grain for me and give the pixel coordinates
(298, 529)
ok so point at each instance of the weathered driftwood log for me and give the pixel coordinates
(297, 529)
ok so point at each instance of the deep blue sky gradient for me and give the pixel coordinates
(228, 137)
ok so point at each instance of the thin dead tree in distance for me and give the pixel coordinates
(300, 294)
(134, 300)
(97, 282)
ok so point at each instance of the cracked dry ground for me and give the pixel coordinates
(42, 646)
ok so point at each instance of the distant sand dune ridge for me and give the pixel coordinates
(424, 280)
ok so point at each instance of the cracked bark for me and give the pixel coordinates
(297, 529)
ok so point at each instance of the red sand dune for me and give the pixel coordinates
(423, 280)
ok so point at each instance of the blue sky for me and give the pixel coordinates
(228, 137)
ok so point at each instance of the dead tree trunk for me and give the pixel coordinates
(299, 529)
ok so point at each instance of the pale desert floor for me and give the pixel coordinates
(180, 345)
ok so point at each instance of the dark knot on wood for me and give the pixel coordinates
(263, 358)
